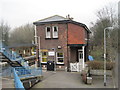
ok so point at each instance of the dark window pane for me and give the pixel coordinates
(60, 59)
(55, 29)
(44, 59)
(44, 53)
(59, 54)
(48, 29)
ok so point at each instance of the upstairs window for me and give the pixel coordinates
(48, 32)
(55, 32)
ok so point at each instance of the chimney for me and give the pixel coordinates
(68, 17)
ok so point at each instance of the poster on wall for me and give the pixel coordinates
(51, 53)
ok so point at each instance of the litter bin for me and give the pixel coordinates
(50, 66)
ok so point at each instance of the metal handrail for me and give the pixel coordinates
(14, 56)
(17, 81)
(23, 71)
(28, 71)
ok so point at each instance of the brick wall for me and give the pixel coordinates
(76, 34)
(53, 43)
(73, 55)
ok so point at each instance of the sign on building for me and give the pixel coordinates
(51, 53)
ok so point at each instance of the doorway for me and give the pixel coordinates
(81, 58)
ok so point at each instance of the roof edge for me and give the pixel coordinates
(64, 21)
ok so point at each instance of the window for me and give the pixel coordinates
(80, 54)
(48, 32)
(44, 57)
(33, 51)
(55, 32)
(60, 58)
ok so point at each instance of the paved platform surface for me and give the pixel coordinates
(62, 79)
(7, 83)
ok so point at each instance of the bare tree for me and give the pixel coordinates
(23, 34)
(106, 18)
(4, 31)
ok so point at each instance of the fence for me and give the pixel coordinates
(28, 71)
(101, 72)
(23, 71)
(78, 67)
(74, 67)
(7, 72)
(13, 56)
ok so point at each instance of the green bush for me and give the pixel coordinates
(100, 64)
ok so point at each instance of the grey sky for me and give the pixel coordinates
(20, 12)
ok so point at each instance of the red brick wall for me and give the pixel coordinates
(76, 34)
(53, 43)
(73, 55)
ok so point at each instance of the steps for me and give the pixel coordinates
(21, 68)
(3, 58)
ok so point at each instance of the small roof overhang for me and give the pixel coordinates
(76, 45)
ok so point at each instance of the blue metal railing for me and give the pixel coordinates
(17, 81)
(28, 71)
(7, 71)
(13, 56)
(23, 71)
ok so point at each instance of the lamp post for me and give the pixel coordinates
(107, 28)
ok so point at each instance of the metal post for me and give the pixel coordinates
(55, 59)
(79, 59)
(83, 47)
(35, 43)
(39, 55)
(107, 28)
(35, 35)
(38, 51)
(104, 57)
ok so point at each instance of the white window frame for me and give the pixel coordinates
(46, 36)
(53, 34)
(59, 57)
(44, 57)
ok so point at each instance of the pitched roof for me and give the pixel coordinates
(60, 19)
(53, 18)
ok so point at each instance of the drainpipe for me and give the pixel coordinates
(39, 53)
(83, 47)
(68, 55)
(35, 34)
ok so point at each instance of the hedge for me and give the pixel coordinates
(100, 64)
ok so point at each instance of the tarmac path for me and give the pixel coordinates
(62, 79)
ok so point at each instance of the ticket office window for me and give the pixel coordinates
(44, 57)
(60, 58)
